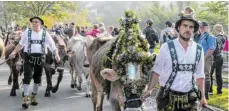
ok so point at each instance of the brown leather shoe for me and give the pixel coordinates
(26, 102)
(34, 100)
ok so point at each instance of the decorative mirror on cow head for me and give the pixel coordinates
(133, 71)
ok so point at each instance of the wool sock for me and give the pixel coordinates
(26, 89)
(35, 88)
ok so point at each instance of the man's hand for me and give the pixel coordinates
(57, 57)
(146, 94)
(12, 55)
(203, 102)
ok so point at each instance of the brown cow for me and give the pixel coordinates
(14, 64)
(49, 70)
(95, 52)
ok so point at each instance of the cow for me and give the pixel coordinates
(102, 79)
(98, 84)
(77, 57)
(15, 64)
(51, 66)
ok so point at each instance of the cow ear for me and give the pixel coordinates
(109, 74)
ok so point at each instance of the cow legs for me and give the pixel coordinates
(94, 96)
(49, 81)
(10, 78)
(15, 81)
(79, 81)
(88, 86)
(55, 88)
(116, 96)
(99, 105)
(72, 76)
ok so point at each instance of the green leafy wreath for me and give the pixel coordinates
(130, 47)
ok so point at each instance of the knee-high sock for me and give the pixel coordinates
(35, 88)
(26, 89)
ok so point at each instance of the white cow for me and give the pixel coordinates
(76, 47)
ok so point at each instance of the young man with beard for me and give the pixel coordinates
(179, 67)
(34, 40)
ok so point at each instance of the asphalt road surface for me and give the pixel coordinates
(65, 99)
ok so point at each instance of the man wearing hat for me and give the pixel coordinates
(34, 41)
(151, 35)
(208, 43)
(179, 67)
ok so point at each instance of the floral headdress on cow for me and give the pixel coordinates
(130, 47)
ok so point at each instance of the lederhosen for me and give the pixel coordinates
(169, 100)
(34, 62)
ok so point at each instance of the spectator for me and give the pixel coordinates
(218, 58)
(94, 31)
(151, 35)
(208, 43)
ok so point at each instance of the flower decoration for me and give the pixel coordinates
(130, 47)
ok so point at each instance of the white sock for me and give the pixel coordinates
(35, 88)
(26, 89)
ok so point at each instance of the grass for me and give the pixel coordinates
(219, 101)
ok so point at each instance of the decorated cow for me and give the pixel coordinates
(120, 67)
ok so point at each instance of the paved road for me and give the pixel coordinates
(66, 99)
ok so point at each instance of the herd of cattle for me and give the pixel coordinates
(85, 55)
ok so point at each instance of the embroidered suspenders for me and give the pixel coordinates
(42, 42)
(197, 60)
(181, 67)
(32, 58)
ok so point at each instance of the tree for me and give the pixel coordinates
(26, 9)
(215, 12)
(159, 14)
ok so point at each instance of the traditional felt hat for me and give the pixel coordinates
(187, 17)
(42, 22)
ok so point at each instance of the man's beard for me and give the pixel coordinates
(185, 39)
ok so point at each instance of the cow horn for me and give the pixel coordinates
(109, 74)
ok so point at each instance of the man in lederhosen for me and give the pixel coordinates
(179, 67)
(34, 41)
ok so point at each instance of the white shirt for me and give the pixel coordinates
(183, 79)
(37, 48)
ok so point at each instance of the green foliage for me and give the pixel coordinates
(215, 12)
(212, 12)
(129, 47)
(159, 14)
(20, 11)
